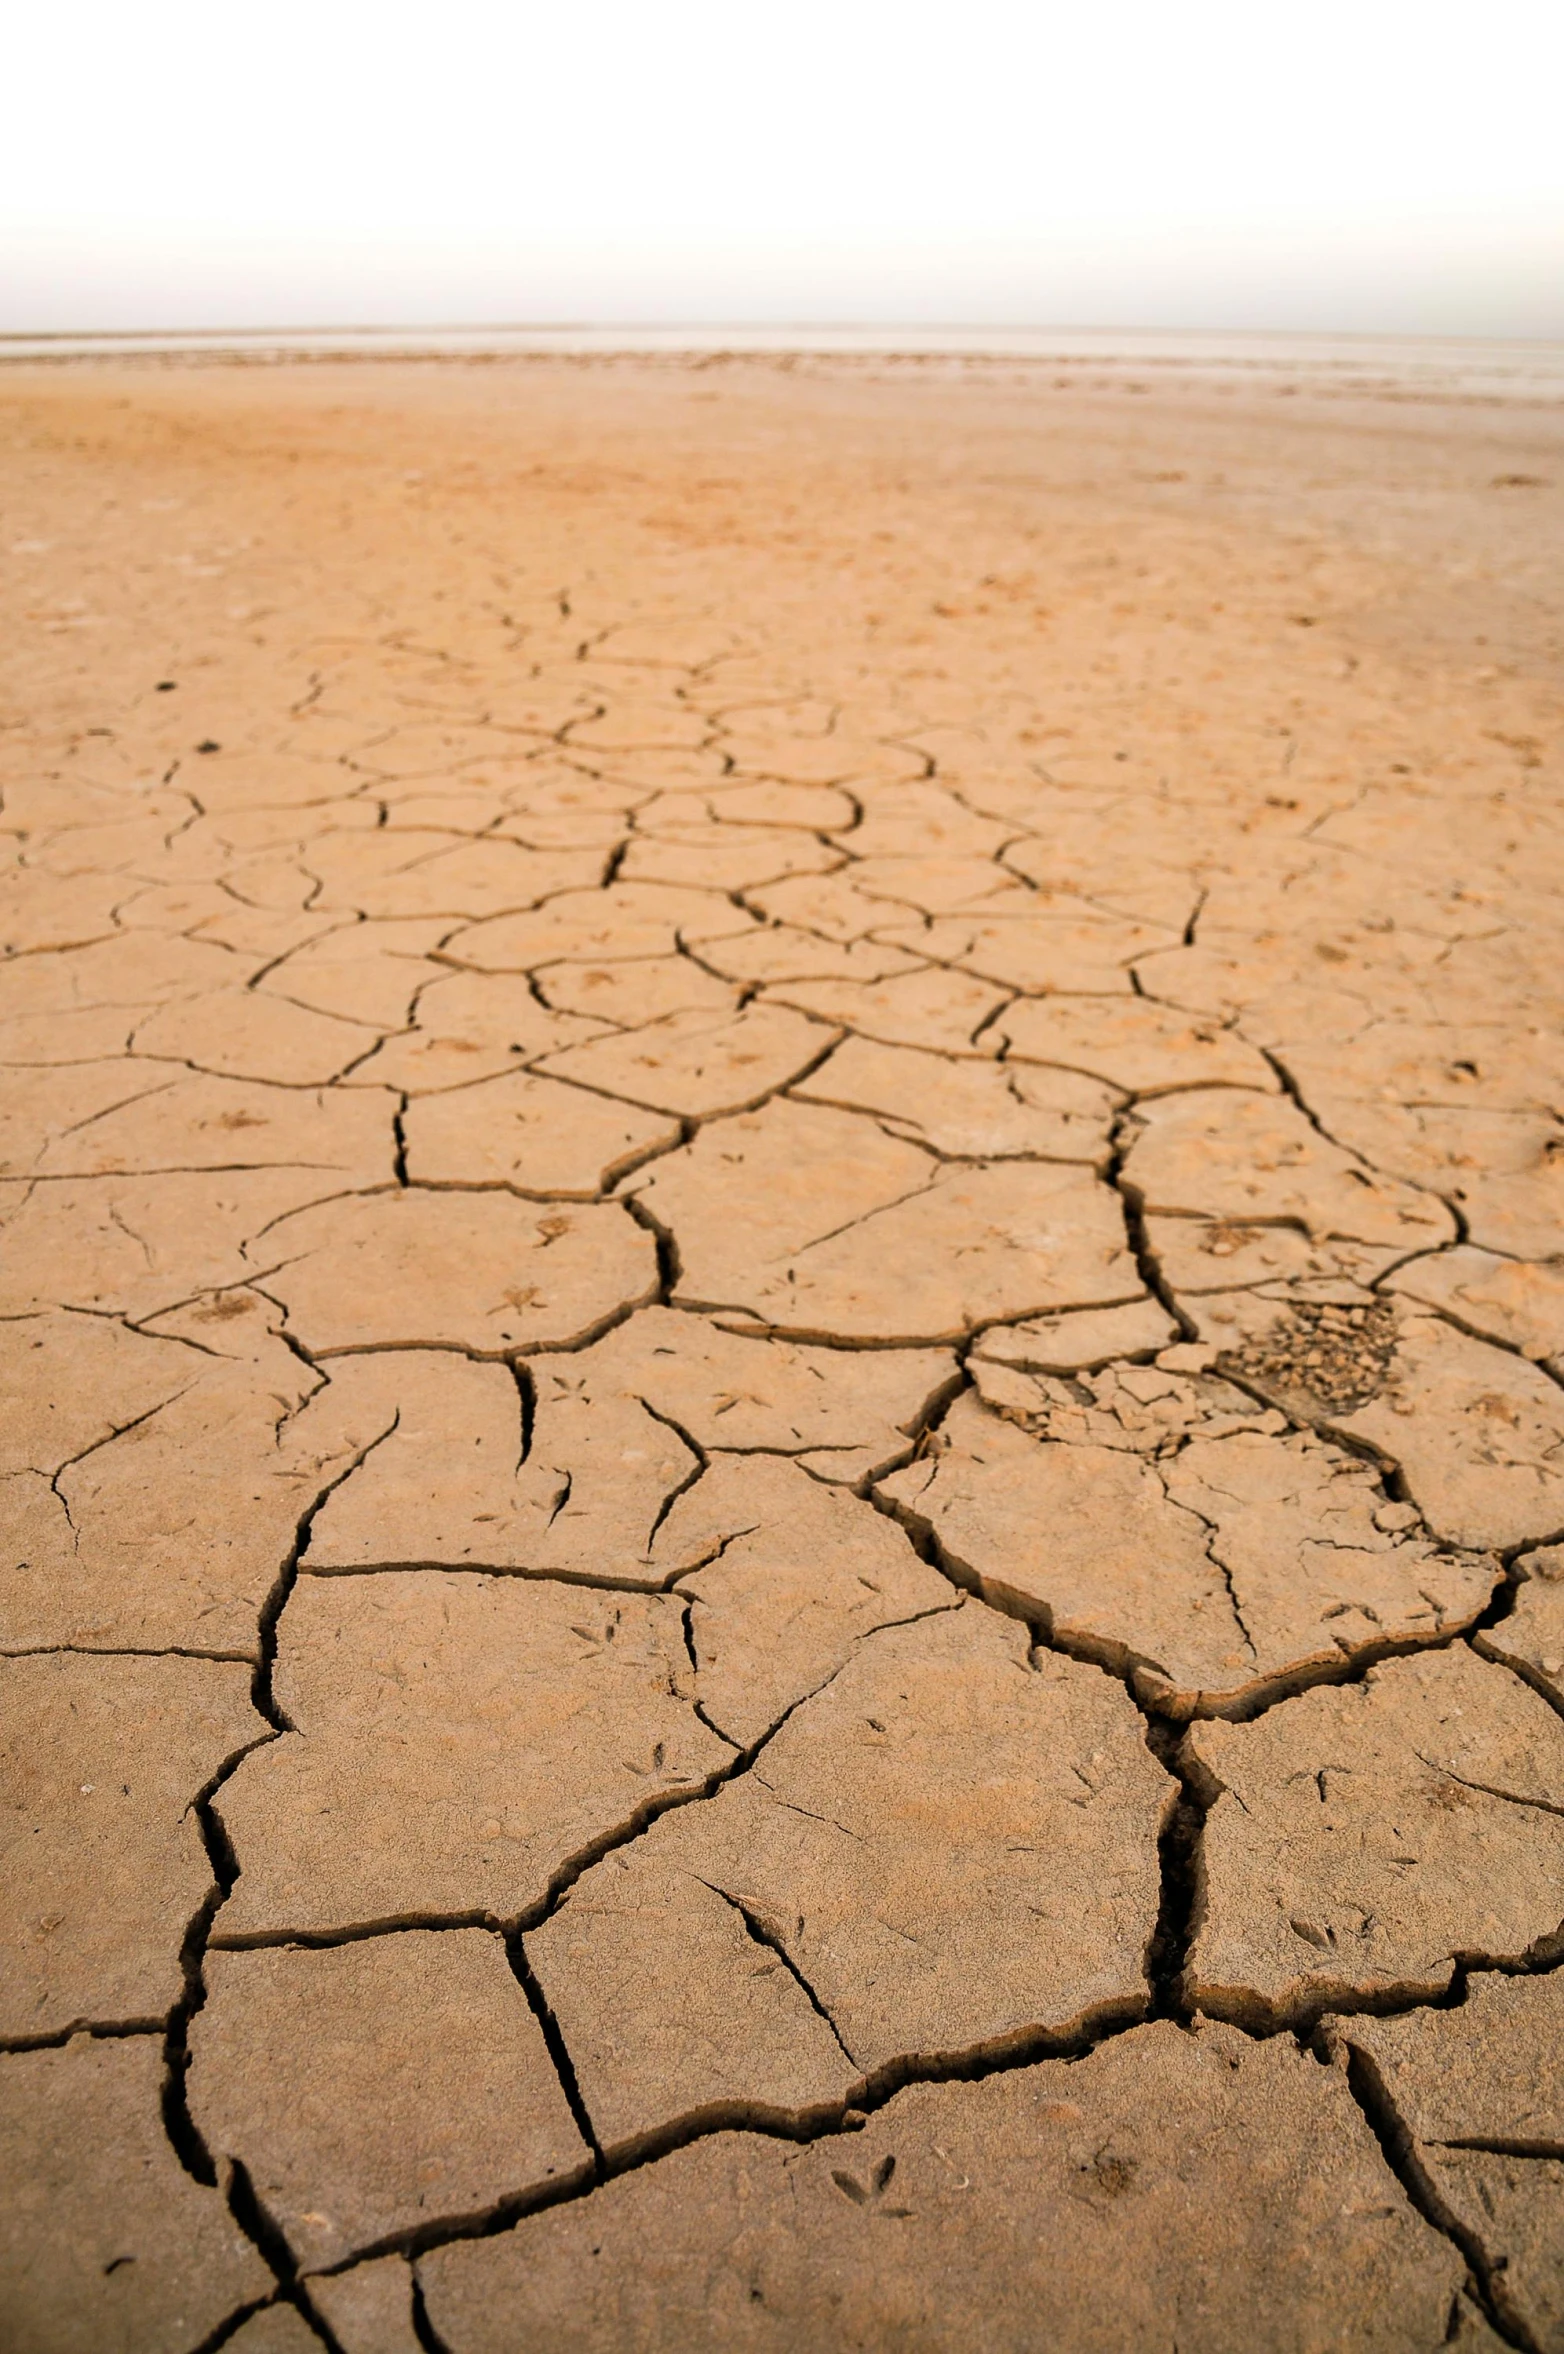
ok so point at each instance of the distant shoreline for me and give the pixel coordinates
(1493, 366)
(1447, 370)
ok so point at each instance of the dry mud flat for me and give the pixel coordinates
(783, 1337)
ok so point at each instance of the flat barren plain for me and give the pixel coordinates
(782, 1298)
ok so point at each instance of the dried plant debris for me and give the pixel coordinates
(1319, 1356)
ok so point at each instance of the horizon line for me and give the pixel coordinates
(681, 326)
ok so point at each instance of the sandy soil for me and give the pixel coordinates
(783, 1332)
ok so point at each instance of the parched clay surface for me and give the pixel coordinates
(598, 1464)
(1479, 2091)
(815, 1222)
(452, 1269)
(781, 1359)
(791, 1574)
(470, 2107)
(910, 1842)
(105, 2240)
(454, 1742)
(1245, 2179)
(1477, 1431)
(102, 1851)
(370, 2308)
(276, 2329)
(1371, 1836)
(1213, 1558)
(1531, 1639)
(532, 1135)
(170, 1533)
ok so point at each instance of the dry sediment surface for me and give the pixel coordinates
(782, 1311)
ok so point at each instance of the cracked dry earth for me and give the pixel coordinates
(783, 1345)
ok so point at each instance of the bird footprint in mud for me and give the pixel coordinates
(872, 2193)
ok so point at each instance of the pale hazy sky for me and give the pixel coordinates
(1374, 165)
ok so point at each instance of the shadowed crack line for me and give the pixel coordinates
(1368, 2088)
(700, 1465)
(276, 1601)
(669, 1267)
(95, 1446)
(1144, 1678)
(1181, 1871)
(1147, 1265)
(527, 1399)
(140, 1174)
(104, 2030)
(1289, 1086)
(558, 2052)
(231, 2324)
(1501, 2145)
(424, 2331)
(592, 1581)
(1548, 1806)
(1446, 1314)
(185, 2136)
(591, 1333)
(1219, 1566)
(764, 1935)
(353, 1932)
(271, 2243)
(124, 1651)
